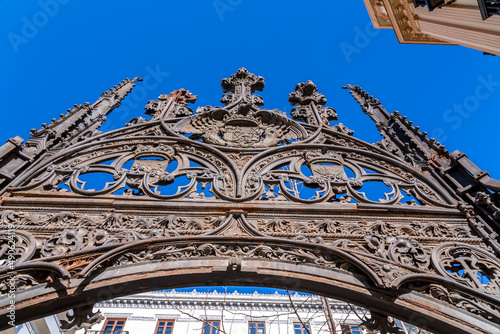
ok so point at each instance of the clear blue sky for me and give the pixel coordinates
(240, 289)
(53, 56)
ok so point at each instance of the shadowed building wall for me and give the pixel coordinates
(471, 23)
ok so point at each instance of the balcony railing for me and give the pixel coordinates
(106, 332)
(486, 7)
(432, 4)
(489, 8)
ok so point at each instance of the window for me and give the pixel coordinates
(211, 327)
(355, 329)
(299, 329)
(164, 327)
(113, 326)
(256, 328)
(351, 329)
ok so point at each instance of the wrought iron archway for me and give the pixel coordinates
(247, 195)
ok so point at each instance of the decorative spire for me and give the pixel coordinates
(305, 93)
(78, 123)
(406, 141)
(181, 96)
(118, 92)
(241, 123)
(310, 105)
(369, 104)
(239, 88)
(179, 108)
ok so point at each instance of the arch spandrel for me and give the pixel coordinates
(233, 175)
(252, 194)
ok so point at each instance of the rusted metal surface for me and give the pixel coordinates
(247, 196)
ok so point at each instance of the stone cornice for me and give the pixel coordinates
(232, 301)
(399, 15)
(378, 14)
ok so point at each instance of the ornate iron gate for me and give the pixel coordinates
(247, 196)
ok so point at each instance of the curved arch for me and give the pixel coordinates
(114, 282)
(80, 151)
(420, 278)
(298, 149)
(24, 247)
(243, 242)
(92, 245)
(37, 169)
(29, 266)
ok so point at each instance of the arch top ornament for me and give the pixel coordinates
(249, 193)
(241, 123)
(236, 153)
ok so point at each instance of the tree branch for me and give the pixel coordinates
(329, 316)
(297, 313)
(193, 317)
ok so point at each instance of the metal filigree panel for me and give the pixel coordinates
(247, 195)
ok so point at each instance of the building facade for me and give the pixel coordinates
(471, 23)
(172, 312)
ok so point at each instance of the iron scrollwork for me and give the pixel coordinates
(379, 213)
(468, 265)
